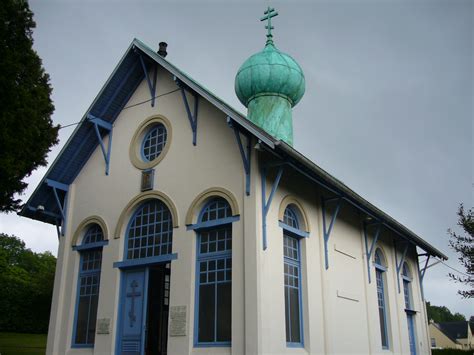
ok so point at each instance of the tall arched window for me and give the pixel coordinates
(150, 232)
(214, 275)
(410, 312)
(88, 286)
(380, 269)
(292, 277)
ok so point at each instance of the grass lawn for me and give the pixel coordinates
(23, 344)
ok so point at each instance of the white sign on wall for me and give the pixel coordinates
(177, 321)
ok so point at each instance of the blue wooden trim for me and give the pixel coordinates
(105, 152)
(47, 213)
(127, 264)
(57, 185)
(266, 204)
(292, 230)
(99, 121)
(213, 223)
(397, 264)
(199, 258)
(90, 245)
(369, 251)
(421, 275)
(193, 118)
(79, 275)
(118, 88)
(245, 154)
(327, 231)
(151, 86)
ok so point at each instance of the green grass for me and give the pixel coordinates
(449, 352)
(22, 344)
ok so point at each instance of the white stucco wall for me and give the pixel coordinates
(340, 314)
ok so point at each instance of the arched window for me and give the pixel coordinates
(408, 296)
(380, 269)
(214, 275)
(88, 286)
(150, 232)
(292, 277)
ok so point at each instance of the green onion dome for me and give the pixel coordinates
(269, 84)
(270, 72)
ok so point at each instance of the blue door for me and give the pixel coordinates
(133, 312)
(411, 333)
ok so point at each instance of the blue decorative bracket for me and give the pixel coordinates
(244, 152)
(55, 185)
(370, 249)
(422, 275)
(98, 122)
(399, 265)
(151, 81)
(327, 230)
(266, 203)
(192, 117)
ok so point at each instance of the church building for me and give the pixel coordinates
(186, 227)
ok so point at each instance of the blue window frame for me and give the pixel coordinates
(292, 279)
(407, 293)
(154, 142)
(88, 287)
(213, 318)
(150, 231)
(380, 269)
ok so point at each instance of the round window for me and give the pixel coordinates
(154, 142)
(150, 142)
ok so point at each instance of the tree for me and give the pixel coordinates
(26, 286)
(442, 314)
(26, 129)
(463, 245)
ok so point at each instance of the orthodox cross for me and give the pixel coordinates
(133, 294)
(269, 13)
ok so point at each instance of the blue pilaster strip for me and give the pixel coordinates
(193, 118)
(266, 203)
(327, 231)
(369, 251)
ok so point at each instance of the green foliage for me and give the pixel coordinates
(441, 314)
(24, 344)
(463, 245)
(26, 128)
(26, 286)
(450, 352)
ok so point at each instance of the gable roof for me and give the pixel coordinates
(454, 330)
(112, 98)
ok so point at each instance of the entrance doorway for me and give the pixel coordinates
(144, 309)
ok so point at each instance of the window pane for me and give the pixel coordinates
(206, 313)
(287, 314)
(92, 319)
(82, 315)
(224, 311)
(295, 315)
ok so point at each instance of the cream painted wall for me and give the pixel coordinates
(340, 313)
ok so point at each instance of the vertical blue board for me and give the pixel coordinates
(133, 304)
(411, 334)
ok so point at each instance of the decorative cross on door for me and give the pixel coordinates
(133, 294)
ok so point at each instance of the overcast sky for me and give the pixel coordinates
(388, 107)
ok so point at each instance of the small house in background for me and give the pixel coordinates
(199, 230)
(452, 335)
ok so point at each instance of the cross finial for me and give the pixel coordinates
(269, 13)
